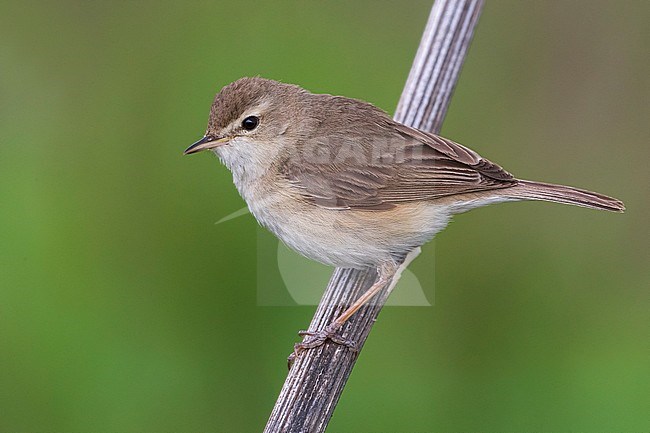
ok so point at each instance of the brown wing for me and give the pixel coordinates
(408, 165)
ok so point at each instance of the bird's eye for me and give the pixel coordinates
(250, 123)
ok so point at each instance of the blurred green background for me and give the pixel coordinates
(123, 308)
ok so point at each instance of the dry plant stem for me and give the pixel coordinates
(318, 376)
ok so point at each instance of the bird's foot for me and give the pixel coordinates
(313, 339)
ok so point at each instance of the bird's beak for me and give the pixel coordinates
(207, 142)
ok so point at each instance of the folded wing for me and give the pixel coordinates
(413, 166)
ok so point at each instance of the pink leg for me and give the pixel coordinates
(314, 339)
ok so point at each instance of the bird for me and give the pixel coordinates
(342, 183)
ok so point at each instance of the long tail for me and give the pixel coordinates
(528, 190)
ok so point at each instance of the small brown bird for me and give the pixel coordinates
(342, 183)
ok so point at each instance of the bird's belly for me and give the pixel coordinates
(349, 238)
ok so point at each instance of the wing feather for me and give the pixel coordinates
(417, 166)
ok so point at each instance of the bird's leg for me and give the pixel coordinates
(313, 339)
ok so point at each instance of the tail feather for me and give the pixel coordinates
(529, 190)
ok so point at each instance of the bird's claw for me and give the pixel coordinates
(313, 339)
